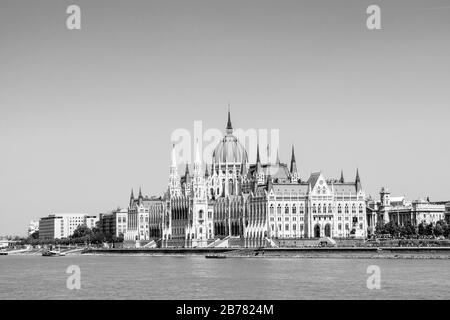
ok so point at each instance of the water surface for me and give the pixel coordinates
(194, 277)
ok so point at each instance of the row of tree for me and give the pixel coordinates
(81, 235)
(408, 230)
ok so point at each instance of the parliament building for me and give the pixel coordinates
(232, 202)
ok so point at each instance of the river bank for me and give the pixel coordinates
(299, 253)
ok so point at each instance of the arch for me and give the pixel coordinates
(317, 231)
(327, 230)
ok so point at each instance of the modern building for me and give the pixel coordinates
(252, 203)
(33, 227)
(62, 225)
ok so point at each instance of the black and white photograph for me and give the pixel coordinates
(241, 152)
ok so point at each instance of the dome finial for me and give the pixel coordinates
(229, 126)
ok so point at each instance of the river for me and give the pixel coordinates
(194, 277)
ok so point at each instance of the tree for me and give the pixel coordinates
(380, 228)
(408, 229)
(441, 228)
(422, 229)
(392, 228)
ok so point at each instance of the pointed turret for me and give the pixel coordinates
(358, 181)
(258, 160)
(206, 171)
(293, 162)
(140, 193)
(341, 180)
(131, 197)
(174, 159)
(186, 172)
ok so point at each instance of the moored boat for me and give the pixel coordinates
(215, 256)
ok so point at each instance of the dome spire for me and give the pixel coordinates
(229, 125)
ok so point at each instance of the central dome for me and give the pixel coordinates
(229, 150)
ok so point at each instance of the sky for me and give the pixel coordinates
(86, 115)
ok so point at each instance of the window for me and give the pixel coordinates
(339, 209)
(330, 209)
(286, 227)
(294, 209)
(200, 214)
(319, 208)
(346, 208)
(339, 227)
(294, 227)
(360, 208)
(314, 208)
(286, 209)
(353, 208)
(324, 208)
(271, 209)
(286, 219)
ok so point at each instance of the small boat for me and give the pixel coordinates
(3, 253)
(50, 253)
(215, 256)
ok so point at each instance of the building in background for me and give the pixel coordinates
(447, 212)
(144, 221)
(113, 223)
(62, 225)
(33, 227)
(402, 211)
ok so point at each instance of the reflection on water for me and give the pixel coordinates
(150, 277)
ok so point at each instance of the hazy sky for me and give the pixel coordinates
(86, 115)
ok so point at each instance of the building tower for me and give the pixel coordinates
(174, 179)
(293, 171)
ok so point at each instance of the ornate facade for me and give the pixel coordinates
(233, 202)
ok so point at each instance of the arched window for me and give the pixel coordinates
(324, 208)
(346, 227)
(330, 209)
(301, 209)
(339, 208)
(200, 214)
(319, 208)
(286, 209)
(314, 208)
(271, 209)
(339, 226)
(353, 208)
(279, 209)
(294, 209)
(360, 208)
(346, 208)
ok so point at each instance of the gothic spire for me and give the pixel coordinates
(206, 171)
(341, 180)
(132, 194)
(278, 157)
(174, 159)
(293, 162)
(358, 181)
(140, 193)
(258, 160)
